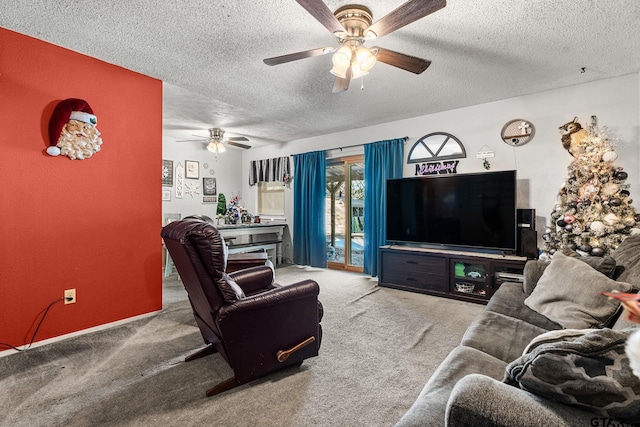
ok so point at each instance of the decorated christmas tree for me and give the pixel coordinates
(593, 213)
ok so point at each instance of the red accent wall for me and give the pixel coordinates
(92, 225)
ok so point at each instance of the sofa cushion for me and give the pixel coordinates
(500, 336)
(533, 269)
(430, 407)
(509, 301)
(568, 293)
(585, 368)
(480, 401)
(627, 257)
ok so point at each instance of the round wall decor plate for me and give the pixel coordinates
(517, 132)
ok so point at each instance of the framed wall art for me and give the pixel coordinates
(166, 195)
(167, 173)
(209, 186)
(192, 169)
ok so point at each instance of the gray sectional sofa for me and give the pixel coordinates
(489, 379)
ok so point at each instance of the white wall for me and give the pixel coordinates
(226, 169)
(541, 164)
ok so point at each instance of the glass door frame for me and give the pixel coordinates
(346, 162)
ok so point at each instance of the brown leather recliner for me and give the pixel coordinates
(256, 325)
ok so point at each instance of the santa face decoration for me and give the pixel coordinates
(72, 130)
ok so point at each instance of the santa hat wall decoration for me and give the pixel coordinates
(72, 130)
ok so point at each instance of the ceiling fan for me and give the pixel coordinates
(351, 24)
(216, 140)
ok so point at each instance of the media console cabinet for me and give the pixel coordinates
(468, 276)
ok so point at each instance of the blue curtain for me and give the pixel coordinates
(382, 160)
(309, 187)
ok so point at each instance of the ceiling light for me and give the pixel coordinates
(341, 61)
(216, 147)
(365, 58)
(355, 56)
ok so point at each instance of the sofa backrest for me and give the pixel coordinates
(627, 257)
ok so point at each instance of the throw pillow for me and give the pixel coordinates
(604, 264)
(588, 369)
(568, 293)
(533, 269)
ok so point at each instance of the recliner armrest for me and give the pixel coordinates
(271, 298)
(254, 279)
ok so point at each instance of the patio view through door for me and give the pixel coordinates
(344, 213)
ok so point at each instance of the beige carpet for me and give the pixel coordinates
(379, 348)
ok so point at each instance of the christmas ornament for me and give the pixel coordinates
(585, 248)
(597, 227)
(590, 189)
(597, 252)
(560, 223)
(609, 156)
(610, 188)
(572, 136)
(569, 219)
(615, 202)
(621, 175)
(610, 219)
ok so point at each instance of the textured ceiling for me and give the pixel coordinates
(209, 54)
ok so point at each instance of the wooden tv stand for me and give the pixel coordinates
(468, 276)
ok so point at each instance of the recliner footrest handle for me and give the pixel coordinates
(283, 355)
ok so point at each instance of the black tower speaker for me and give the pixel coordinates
(527, 237)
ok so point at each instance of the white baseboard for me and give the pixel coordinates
(78, 333)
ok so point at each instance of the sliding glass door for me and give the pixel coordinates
(344, 213)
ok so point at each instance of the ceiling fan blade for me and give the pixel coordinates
(194, 140)
(341, 84)
(237, 144)
(298, 55)
(400, 60)
(406, 14)
(238, 138)
(323, 14)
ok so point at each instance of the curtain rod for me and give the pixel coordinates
(406, 138)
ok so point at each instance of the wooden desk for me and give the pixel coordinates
(248, 237)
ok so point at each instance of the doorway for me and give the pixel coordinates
(344, 213)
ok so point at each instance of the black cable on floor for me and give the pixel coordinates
(33, 337)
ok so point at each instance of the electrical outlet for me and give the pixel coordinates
(69, 296)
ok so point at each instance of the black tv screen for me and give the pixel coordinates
(470, 210)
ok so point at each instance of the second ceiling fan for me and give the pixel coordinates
(216, 141)
(351, 24)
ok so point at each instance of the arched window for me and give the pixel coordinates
(436, 146)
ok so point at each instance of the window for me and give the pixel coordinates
(270, 198)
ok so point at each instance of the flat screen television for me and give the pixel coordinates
(470, 211)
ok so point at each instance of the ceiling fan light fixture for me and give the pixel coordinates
(365, 59)
(340, 71)
(357, 71)
(216, 147)
(342, 57)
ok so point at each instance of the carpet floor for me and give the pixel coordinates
(379, 348)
